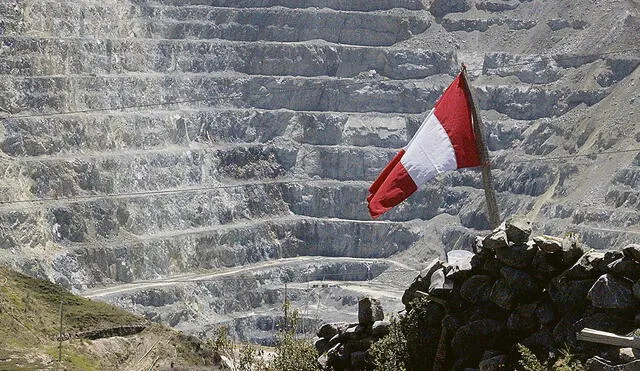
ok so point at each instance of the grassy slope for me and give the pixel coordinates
(29, 325)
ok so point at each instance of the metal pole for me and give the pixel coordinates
(60, 334)
(493, 212)
(286, 309)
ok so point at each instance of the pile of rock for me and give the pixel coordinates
(537, 292)
(345, 346)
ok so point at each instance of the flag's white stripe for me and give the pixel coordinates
(429, 152)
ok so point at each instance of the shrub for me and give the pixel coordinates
(390, 352)
(293, 354)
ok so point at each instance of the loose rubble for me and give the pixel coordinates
(344, 345)
(538, 292)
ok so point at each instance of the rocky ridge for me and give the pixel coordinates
(254, 129)
(536, 292)
(475, 310)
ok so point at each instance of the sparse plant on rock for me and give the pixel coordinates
(528, 361)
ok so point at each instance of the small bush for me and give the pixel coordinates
(294, 354)
(528, 361)
(390, 352)
(408, 346)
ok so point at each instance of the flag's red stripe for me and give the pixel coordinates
(385, 173)
(393, 186)
(454, 113)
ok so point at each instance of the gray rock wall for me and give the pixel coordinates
(146, 139)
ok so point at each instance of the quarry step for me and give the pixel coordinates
(31, 56)
(543, 69)
(172, 212)
(159, 170)
(122, 172)
(114, 132)
(346, 200)
(312, 284)
(356, 5)
(140, 216)
(261, 269)
(204, 22)
(167, 168)
(462, 23)
(230, 245)
(72, 93)
(597, 233)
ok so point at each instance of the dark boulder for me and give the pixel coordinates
(516, 256)
(625, 267)
(609, 292)
(472, 339)
(524, 287)
(632, 251)
(369, 311)
(503, 295)
(477, 288)
(329, 330)
(496, 240)
(567, 294)
(518, 229)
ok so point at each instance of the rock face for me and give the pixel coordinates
(493, 309)
(143, 140)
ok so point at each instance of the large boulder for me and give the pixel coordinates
(369, 311)
(496, 240)
(472, 339)
(516, 256)
(477, 288)
(548, 243)
(625, 267)
(592, 264)
(503, 295)
(440, 284)
(329, 330)
(632, 251)
(567, 294)
(609, 292)
(571, 250)
(518, 229)
(544, 266)
(459, 262)
(421, 282)
(380, 328)
(524, 287)
(485, 262)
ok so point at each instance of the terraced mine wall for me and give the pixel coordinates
(147, 143)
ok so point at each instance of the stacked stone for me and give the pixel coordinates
(537, 292)
(345, 346)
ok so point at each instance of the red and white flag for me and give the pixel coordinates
(445, 141)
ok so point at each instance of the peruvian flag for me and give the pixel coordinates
(445, 141)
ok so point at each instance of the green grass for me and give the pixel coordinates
(30, 324)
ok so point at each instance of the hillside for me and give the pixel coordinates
(97, 336)
(185, 159)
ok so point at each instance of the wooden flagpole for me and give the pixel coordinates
(478, 129)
